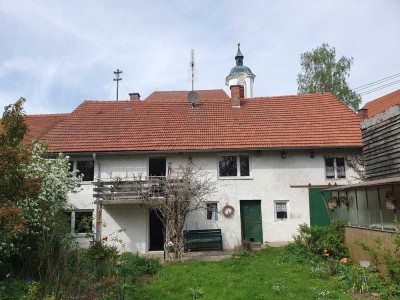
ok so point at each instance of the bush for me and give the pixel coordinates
(322, 240)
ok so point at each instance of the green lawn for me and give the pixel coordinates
(261, 276)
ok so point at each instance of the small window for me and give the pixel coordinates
(281, 210)
(81, 221)
(234, 166)
(212, 211)
(335, 167)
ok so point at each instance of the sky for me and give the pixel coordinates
(57, 54)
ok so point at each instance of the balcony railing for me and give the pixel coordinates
(135, 191)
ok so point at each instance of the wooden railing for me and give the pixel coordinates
(133, 191)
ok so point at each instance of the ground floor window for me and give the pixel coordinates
(212, 211)
(81, 221)
(281, 209)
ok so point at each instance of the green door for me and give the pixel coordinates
(250, 216)
(318, 214)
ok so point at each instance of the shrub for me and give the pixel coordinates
(315, 240)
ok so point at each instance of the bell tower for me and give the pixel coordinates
(241, 75)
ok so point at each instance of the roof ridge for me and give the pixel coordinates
(52, 114)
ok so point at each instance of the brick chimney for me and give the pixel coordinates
(363, 113)
(134, 96)
(237, 93)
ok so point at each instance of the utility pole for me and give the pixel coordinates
(117, 79)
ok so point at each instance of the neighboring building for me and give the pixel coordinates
(381, 104)
(370, 209)
(269, 157)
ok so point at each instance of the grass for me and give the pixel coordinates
(261, 276)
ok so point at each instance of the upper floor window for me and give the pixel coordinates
(85, 167)
(335, 167)
(234, 166)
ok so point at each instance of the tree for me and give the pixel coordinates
(185, 191)
(322, 73)
(173, 198)
(33, 194)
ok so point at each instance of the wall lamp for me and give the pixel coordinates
(283, 154)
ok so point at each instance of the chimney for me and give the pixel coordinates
(363, 113)
(237, 93)
(134, 96)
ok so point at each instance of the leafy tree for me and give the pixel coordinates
(321, 72)
(33, 196)
(15, 183)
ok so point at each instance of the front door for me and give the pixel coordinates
(250, 216)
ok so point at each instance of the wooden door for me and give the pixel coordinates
(250, 215)
(318, 214)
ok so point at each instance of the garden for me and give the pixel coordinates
(40, 258)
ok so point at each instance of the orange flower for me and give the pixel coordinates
(325, 253)
(344, 261)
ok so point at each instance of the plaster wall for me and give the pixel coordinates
(272, 178)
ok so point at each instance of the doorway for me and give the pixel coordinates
(156, 231)
(251, 220)
(157, 166)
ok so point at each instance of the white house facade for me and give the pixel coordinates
(267, 156)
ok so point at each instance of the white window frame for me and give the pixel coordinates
(335, 168)
(276, 212)
(214, 217)
(73, 223)
(238, 176)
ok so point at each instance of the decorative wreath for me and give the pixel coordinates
(332, 203)
(228, 210)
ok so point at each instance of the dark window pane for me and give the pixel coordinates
(244, 166)
(227, 166)
(281, 215)
(83, 222)
(87, 169)
(330, 172)
(340, 169)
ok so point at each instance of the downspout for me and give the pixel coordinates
(99, 207)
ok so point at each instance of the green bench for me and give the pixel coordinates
(203, 240)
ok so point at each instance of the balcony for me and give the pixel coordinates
(135, 191)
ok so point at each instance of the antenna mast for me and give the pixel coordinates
(192, 68)
(117, 79)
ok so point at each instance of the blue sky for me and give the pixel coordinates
(58, 53)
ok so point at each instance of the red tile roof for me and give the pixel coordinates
(383, 103)
(183, 95)
(39, 125)
(317, 120)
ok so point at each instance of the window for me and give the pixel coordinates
(85, 167)
(234, 166)
(281, 210)
(335, 167)
(81, 221)
(212, 211)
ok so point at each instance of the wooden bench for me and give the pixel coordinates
(203, 240)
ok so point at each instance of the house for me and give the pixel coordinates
(269, 158)
(380, 104)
